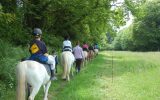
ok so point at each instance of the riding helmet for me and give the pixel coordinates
(37, 31)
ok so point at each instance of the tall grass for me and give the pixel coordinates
(9, 57)
(136, 76)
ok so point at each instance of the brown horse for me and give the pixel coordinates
(91, 55)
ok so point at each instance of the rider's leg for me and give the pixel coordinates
(76, 66)
(51, 61)
(79, 61)
(53, 77)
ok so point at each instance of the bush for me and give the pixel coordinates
(9, 57)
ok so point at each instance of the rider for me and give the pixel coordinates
(96, 46)
(85, 47)
(91, 48)
(67, 45)
(38, 51)
(56, 59)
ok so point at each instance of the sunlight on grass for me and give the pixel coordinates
(136, 77)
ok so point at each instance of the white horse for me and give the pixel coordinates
(85, 57)
(35, 74)
(67, 60)
(96, 52)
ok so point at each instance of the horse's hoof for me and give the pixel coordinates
(64, 79)
(46, 99)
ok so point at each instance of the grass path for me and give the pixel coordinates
(89, 84)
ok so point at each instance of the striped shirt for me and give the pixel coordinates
(67, 45)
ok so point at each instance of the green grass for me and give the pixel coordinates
(135, 77)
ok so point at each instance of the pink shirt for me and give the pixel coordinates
(85, 46)
(78, 52)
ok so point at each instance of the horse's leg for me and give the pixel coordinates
(68, 72)
(64, 72)
(89, 56)
(85, 63)
(72, 71)
(34, 91)
(56, 68)
(29, 90)
(46, 88)
(92, 55)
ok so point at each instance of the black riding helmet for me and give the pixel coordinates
(37, 31)
(66, 37)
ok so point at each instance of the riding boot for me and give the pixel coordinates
(53, 77)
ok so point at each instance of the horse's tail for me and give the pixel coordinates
(64, 59)
(21, 81)
(68, 66)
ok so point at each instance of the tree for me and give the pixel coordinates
(9, 6)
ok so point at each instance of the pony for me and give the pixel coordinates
(67, 60)
(96, 52)
(85, 57)
(35, 74)
(91, 55)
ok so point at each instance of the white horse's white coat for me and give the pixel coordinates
(34, 74)
(85, 57)
(67, 60)
(96, 51)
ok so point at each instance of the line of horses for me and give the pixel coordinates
(35, 74)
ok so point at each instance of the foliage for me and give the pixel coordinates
(144, 34)
(146, 31)
(124, 40)
(9, 56)
(12, 30)
(77, 18)
(136, 7)
(9, 6)
(88, 18)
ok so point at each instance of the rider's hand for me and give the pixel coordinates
(46, 54)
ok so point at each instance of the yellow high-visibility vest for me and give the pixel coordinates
(34, 48)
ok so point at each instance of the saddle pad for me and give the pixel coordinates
(48, 68)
